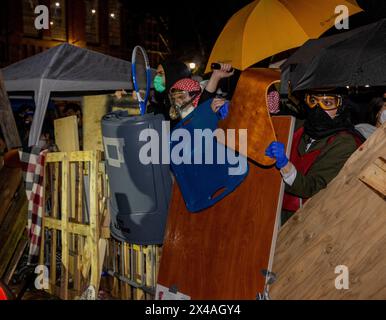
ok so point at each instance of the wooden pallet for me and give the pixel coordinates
(76, 235)
(134, 270)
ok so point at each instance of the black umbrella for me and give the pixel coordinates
(296, 65)
(359, 60)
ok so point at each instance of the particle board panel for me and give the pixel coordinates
(342, 225)
(249, 110)
(94, 108)
(220, 252)
(66, 134)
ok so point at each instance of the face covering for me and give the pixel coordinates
(159, 84)
(319, 124)
(382, 118)
(180, 112)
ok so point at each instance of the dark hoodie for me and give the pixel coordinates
(174, 71)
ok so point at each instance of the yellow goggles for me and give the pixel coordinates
(326, 102)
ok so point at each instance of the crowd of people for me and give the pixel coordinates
(330, 125)
(25, 113)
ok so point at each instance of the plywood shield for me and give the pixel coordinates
(219, 253)
(334, 248)
(248, 110)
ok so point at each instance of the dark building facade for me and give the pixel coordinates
(107, 26)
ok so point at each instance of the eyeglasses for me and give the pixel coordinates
(326, 102)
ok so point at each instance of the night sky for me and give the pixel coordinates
(195, 25)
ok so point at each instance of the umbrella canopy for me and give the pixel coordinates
(266, 27)
(296, 65)
(359, 61)
(65, 68)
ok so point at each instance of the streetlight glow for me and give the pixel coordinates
(192, 65)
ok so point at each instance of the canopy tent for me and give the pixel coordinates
(65, 68)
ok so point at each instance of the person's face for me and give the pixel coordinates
(379, 116)
(161, 72)
(329, 103)
(179, 98)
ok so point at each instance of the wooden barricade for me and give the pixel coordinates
(70, 235)
(134, 270)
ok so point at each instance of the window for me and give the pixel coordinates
(114, 23)
(58, 25)
(92, 21)
(29, 16)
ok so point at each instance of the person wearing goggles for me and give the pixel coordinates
(321, 145)
(326, 102)
(185, 96)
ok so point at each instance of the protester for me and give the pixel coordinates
(320, 147)
(74, 109)
(24, 117)
(185, 95)
(376, 119)
(168, 73)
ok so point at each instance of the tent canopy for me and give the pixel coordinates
(65, 68)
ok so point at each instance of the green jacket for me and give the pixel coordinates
(326, 166)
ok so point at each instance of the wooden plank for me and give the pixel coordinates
(55, 215)
(94, 221)
(55, 157)
(125, 259)
(72, 227)
(375, 176)
(219, 253)
(139, 271)
(66, 134)
(78, 219)
(75, 156)
(150, 268)
(341, 225)
(67, 140)
(7, 120)
(10, 179)
(21, 246)
(64, 228)
(12, 229)
(95, 107)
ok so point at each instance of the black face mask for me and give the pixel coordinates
(319, 124)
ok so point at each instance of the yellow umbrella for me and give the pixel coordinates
(266, 27)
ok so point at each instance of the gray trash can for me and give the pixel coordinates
(140, 193)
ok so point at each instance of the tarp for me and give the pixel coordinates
(65, 68)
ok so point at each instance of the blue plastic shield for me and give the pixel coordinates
(203, 184)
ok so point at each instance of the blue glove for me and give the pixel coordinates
(276, 150)
(224, 110)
